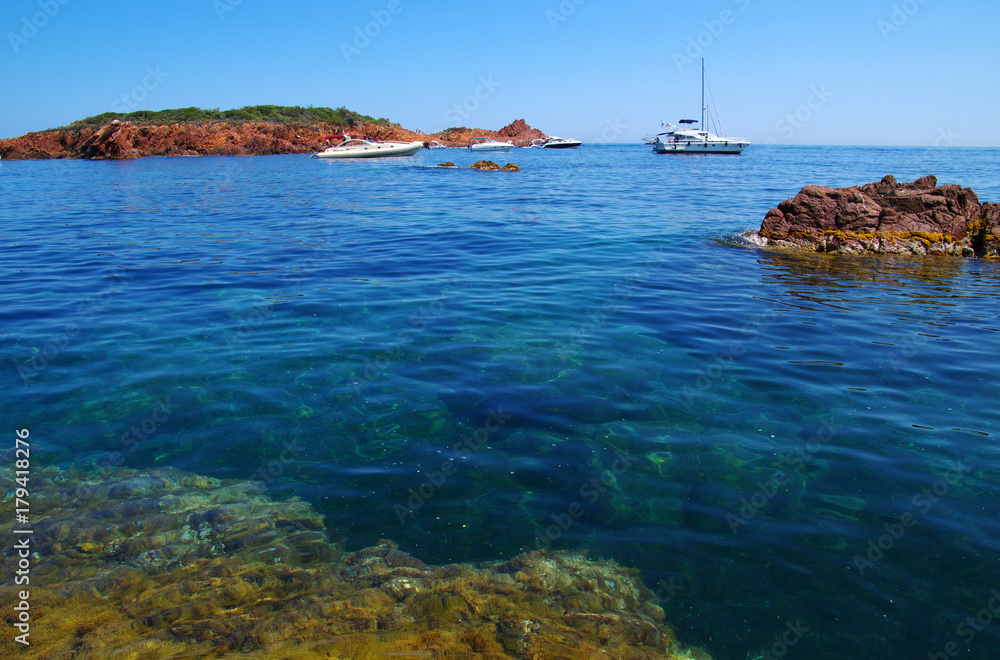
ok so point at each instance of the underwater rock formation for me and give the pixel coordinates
(886, 217)
(167, 564)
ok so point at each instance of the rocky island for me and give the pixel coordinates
(886, 217)
(254, 130)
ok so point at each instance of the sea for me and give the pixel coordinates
(797, 451)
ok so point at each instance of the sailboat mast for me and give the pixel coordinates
(703, 93)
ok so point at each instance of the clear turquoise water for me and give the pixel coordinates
(583, 354)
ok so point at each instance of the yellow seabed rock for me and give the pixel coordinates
(243, 576)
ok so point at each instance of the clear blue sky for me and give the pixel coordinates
(889, 72)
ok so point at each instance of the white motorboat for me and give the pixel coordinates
(687, 139)
(436, 145)
(694, 141)
(365, 148)
(553, 142)
(490, 145)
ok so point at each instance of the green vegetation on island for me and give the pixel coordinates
(275, 114)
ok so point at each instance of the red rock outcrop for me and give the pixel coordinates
(518, 132)
(127, 140)
(886, 217)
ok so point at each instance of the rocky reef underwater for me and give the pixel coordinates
(167, 564)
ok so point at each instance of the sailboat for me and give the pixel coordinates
(686, 139)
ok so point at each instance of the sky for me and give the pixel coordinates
(872, 72)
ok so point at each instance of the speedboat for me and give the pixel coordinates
(365, 148)
(553, 142)
(490, 145)
(436, 145)
(686, 139)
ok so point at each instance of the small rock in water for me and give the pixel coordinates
(484, 165)
(448, 164)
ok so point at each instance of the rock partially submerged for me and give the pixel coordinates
(886, 217)
(490, 165)
(167, 564)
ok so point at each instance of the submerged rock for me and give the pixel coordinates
(448, 164)
(886, 217)
(165, 564)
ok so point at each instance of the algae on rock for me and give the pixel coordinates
(166, 564)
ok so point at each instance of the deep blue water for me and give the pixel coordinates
(580, 355)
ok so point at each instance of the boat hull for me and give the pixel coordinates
(722, 147)
(562, 145)
(491, 147)
(380, 150)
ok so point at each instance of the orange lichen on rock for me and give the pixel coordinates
(885, 217)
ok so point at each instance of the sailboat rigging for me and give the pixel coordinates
(686, 140)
